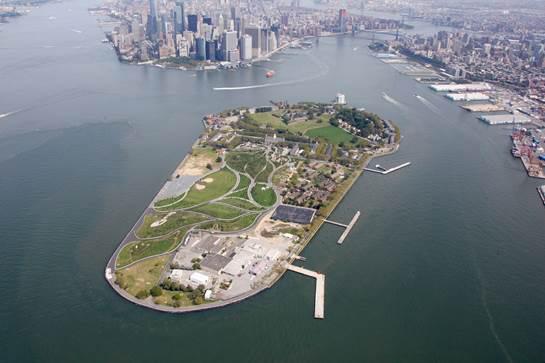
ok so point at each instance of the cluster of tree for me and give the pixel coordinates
(368, 123)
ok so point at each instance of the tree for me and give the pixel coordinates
(198, 300)
(177, 297)
(142, 294)
(209, 166)
(156, 291)
(218, 159)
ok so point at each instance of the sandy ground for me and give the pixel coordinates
(194, 165)
(200, 186)
(208, 180)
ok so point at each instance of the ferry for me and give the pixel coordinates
(541, 191)
(269, 74)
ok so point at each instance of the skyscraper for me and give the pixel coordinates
(180, 17)
(229, 43)
(193, 23)
(246, 47)
(342, 20)
(152, 19)
(254, 31)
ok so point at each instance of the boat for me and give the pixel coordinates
(541, 191)
(269, 74)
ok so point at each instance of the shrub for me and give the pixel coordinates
(142, 294)
(156, 291)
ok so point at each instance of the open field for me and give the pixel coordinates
(305, 125)
(264, 195)
(246, 162)
(268, 119)
(196, 162)
(243, 193)
(217, 210)
(135, 251)
(173, 222)
(331, 134)
(232, 226)
(210, 187)
(141, 276)
(240, 203)
(244, 182)
(263, 176)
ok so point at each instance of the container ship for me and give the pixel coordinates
(541, 191)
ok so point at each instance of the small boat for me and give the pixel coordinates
(269, 74)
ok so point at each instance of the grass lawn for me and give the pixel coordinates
(216, 210)
(175, 221)
(305, 125)
(210, 187)
(135, 251)
(332, 134)
(243, 193)
(244, 182)
(264, 195)
(141, 276)
(263, 177)
(232, 226)
(167, 298)
(246, 162)
(268, 119)
(240, 203)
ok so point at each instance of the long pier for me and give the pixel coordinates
(347, 227)
(391, 170)
(319, 298)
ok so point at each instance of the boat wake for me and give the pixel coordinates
(428, 104)
(8, 114)
(323, 70)
(392, 100)
(77, 31)
(484, 303)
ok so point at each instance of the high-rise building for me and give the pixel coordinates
(193, 23)
(245, 47)
(207, 20)
(180, 17)
(201, 48)
(264, 41)
(255, 32)
(211, 50)
(342, 20)
(229, 43)
(152, 27)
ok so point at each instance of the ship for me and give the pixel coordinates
(541, 191)
(269, 74)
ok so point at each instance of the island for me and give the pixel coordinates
(242, 205)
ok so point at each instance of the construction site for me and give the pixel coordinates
(527, 145)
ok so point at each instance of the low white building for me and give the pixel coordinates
(199, 278)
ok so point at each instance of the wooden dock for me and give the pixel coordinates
(384, 172)
(347, 227)
(319, 298)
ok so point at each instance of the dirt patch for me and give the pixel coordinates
(200, 186)
(195, 165)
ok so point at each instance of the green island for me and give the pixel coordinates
(244, 203)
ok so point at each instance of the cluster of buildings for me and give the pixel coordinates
(221, 30)
(516, 63)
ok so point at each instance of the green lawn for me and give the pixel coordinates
(268, 119)
(210, 187)
(244, 182)
(331, 134)
(305, 125)
(232, 226)
(175, 221)
(246, 162)
(240, 203)
(264, 195)
(263, 176)
(243, 193)
(138, 250)
(141, 276)
(216, 210)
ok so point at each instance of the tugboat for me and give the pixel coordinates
(269, 74)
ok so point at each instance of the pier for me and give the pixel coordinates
(388, 171)
(319, 298)
(347, 227)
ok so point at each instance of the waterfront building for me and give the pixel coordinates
(254, 32)
(245, 47)
(228, 44)
(200, 45)
(211, 50)
(342, 20)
